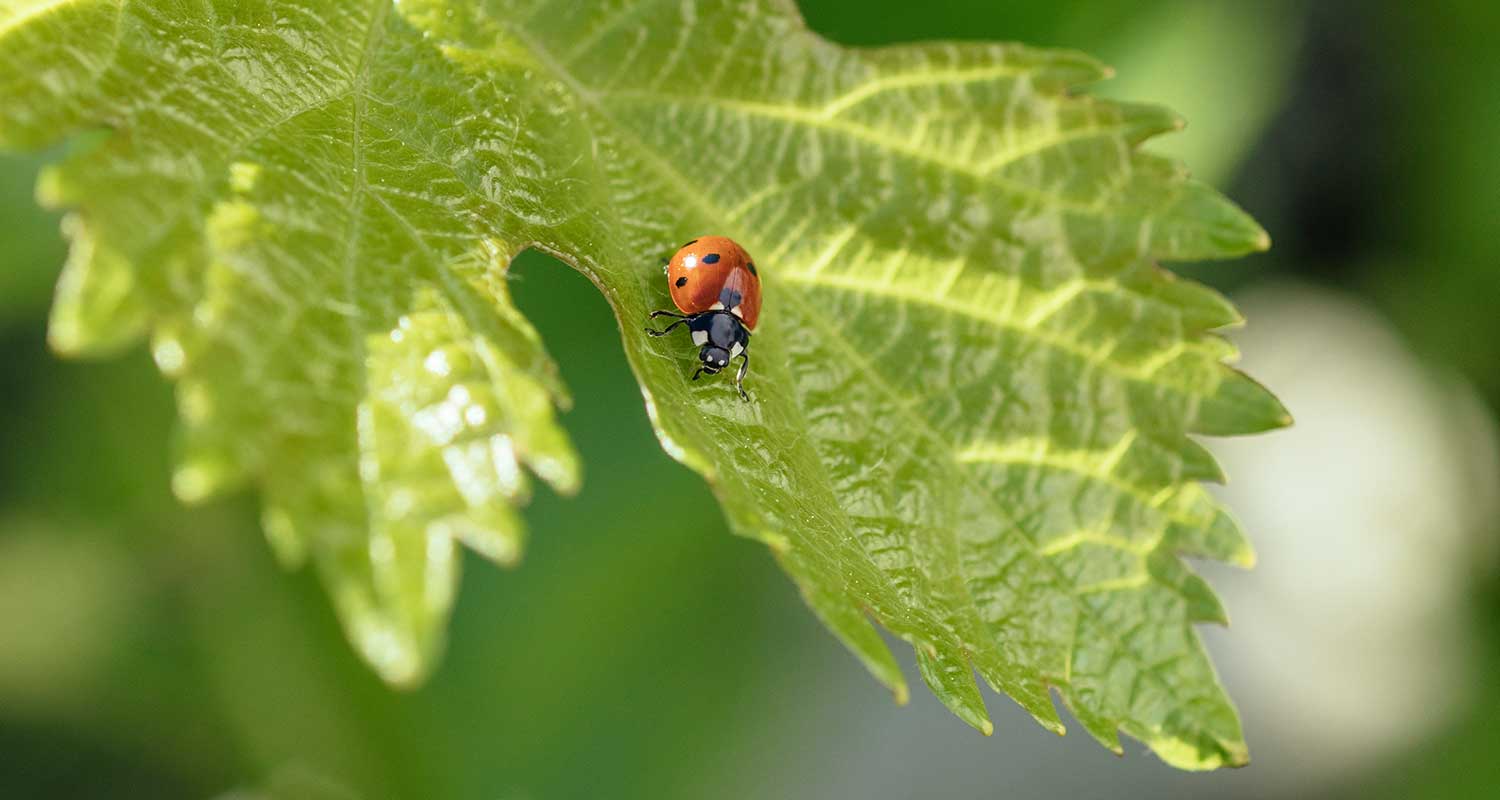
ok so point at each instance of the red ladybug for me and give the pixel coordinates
(716, 286)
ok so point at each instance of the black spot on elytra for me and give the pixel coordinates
(729, 297)
(711, 258)
(752, 270)
(682, 281)
(689, 244)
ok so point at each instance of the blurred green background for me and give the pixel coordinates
(151, 650)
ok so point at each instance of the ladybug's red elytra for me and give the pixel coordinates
(717, 287)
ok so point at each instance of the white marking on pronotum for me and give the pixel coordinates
(700, 337)
(719, 306)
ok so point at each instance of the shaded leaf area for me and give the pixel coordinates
(342, 340)
(973, 389)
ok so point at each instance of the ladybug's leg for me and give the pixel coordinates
(696, 374)
(663, 332)
(739, 378)
(666, 330)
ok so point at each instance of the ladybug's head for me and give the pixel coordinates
(714, 358)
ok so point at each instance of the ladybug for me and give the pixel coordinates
(716, 286)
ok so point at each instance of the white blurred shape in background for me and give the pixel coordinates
(1371, 516)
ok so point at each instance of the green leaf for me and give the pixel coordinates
(972, 389)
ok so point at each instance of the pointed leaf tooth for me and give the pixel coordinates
(1030, 694)
(1239, 405)
(98, 309)
(1201, 224)
(1202, 604)
(952, 680)
(1202, 528)
(1201, 307)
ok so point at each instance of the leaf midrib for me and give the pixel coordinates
(984, 171)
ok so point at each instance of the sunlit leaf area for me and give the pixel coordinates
(337, 464)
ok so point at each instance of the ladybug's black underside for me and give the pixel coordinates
(720, 335)
(722, 330)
